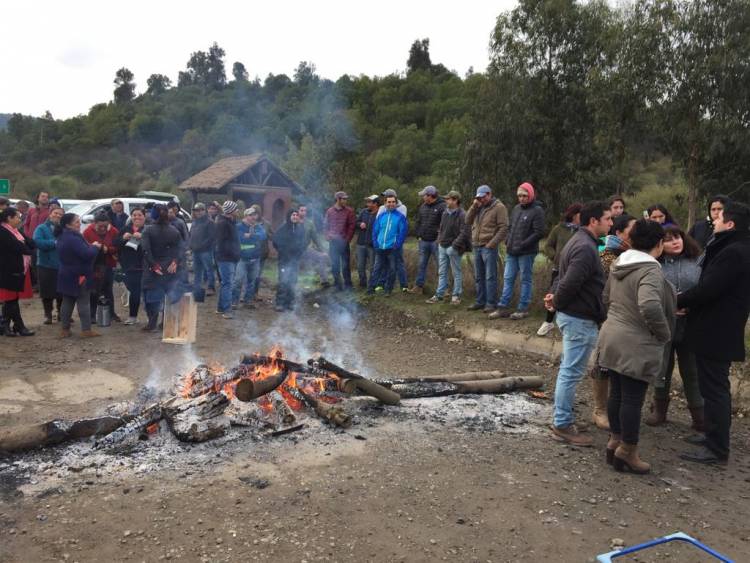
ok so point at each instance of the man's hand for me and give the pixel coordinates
(548, 302)
(127, 236)
(172, 267)
(363, 226)
(97, 244)
(137, 236)
(681, 312)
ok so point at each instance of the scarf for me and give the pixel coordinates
(16, 233)
(613, 242)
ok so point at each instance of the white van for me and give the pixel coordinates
(89, 209)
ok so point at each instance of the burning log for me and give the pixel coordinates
(330, 413)
(492, 386)
(199, 419)
(26, 437)
(249, 414)
(249, 389)
(286, 365)
(216, 383)
(148, 416)
(284, 413)
(356, 382)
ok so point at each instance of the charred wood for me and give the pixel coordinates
(249, 389)
(199, 419)
(442, 388)
(149, 415)
(26, 437)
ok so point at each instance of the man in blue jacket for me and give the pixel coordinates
(388, 235)
(251, 234)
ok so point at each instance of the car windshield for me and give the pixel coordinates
(67, 207)
(83, 208)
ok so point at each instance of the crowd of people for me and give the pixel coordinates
(619, 284)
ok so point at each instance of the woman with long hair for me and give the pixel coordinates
(130, 254)
(48, 263)
(679, 263)
(633, 339)
(659, 214)
(16, 251)
(75, 278)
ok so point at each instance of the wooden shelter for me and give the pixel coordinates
(251, 179)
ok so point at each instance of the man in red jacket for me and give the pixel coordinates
(106, 261)
(37, 215)
(339, 230)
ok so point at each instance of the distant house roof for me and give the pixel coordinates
(250, 167)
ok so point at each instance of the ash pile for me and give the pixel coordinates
(213, 409)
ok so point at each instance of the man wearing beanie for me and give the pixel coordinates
(524, 233)
(227, 255)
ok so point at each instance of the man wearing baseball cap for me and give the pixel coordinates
(339, 230)
(488, 219)
(428, 223)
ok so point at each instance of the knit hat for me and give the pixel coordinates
(228, 207)
(429, 190)
(199, 205)
(529, 189)
(389, 193)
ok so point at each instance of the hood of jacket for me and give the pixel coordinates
(631, 261)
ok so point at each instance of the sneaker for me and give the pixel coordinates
(228, 315)
(489, 309)
(518, 315)
(571, 435)
(48, 320)
(500, 313)
(418, 290)
(130, 321)
(379, 289)
(432, 300)
(475, 307)
(455, 300)
(404, 290)
(89, 334)
(545, 329)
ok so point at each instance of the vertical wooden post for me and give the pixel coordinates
(180, 321)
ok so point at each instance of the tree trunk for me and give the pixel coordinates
(692, 185)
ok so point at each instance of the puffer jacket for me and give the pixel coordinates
(389, 230)
(637, 334)
(428, 219)
(46, 244)
(489, 223)
(526, 229)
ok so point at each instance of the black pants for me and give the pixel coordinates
(713, 380)
(104, 288)
(133, 283)
(626, 396)
(12, 314)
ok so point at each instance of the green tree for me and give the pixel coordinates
(125, 90)
(239, 72)
(419, 56)
(157, 84)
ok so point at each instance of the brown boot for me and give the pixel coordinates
(601, 390)
(612, 444)
(658, 414)
(65, 333)
(626, 457)
(570, 435)
(89, 334)
(698, 421)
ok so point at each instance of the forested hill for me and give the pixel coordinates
(582, 99)
(4, 118)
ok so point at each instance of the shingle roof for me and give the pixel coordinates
(224, 171)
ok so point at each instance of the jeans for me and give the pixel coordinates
(579, 339)
(384, 270)
(398, 270)
(226, 273)
(84, 311)
(626, 396)
(427, 249)
(688, 373)
(514, 265)
(338, 250)
(133, 279)
(365, 262)
(288, 274)
(203, 266)
(450, 256)
(247, 271)
(485, 275)
(713, 378)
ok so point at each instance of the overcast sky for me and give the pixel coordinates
(62, 56)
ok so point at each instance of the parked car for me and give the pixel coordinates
(68, 204)
(89, 209)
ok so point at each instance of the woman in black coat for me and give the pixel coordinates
(16, 251)
(130, 254)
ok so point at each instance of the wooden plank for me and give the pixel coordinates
(180, 321)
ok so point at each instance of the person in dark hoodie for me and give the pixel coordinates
(429, 214)
(703, 230)
(163, 257)
(289, 242)
(641, 316)
(227, 256)
(718, 308)
(365, 250)
(202, 240)
(524, 233)
(453, 240)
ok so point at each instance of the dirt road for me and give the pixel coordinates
(406, 483)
